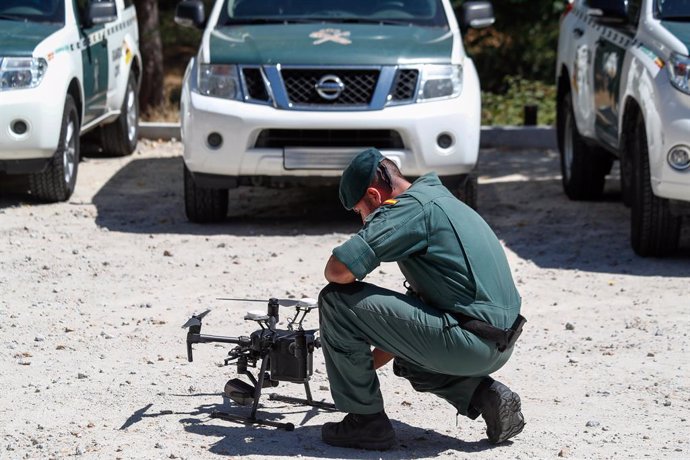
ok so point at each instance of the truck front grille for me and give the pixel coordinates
(256, 88)
(404, 85)
(358, 86)
(328, 88)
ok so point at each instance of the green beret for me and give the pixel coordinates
(358, 176)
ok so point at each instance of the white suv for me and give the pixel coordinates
(286, 91)
(624, 93)
(66, 67)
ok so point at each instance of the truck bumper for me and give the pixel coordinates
(30, 122)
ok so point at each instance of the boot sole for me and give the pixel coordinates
(510, 421)
(384, 444)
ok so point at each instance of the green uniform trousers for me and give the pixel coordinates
(431, 350)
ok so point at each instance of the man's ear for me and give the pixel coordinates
(374, 196)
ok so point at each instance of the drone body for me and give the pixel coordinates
(285, 355)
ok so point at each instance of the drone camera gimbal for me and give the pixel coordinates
(285, 355)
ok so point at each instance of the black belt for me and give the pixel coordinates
(503, 338)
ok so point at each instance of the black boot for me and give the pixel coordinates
(500, 407)
(371, 431)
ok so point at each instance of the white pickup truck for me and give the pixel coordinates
(624, 93)
(66, 67)
(285, 92)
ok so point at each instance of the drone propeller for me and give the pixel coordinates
(304, 303)
(195, 320)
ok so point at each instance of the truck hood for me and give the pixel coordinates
(680, 30)
(18, 38)
(330, 44)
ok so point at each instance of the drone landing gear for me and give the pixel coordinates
(244, 394)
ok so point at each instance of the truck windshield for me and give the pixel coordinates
(33, 11)
(678, 10)
(396, 12)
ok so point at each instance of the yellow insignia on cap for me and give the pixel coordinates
(391, 201)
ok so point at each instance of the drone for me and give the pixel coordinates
(285, 355)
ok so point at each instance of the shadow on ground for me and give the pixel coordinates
(520, 195)
(146, 196)
(522, 199)
(228, 438)
(240, 440)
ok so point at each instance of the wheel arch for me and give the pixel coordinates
(631, 110)
(74, 90)
(563, 83)
(135, 69)
(563, 88)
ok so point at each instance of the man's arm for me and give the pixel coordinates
(381, 357)
(337, 272)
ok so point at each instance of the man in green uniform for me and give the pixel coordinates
(456, 325)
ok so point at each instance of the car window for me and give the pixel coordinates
(33, 10)
(418, 12)
(673, 9)
(634, 7)
(80, 9)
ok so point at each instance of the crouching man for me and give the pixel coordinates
(456, 325)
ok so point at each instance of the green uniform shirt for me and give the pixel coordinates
(447, 252)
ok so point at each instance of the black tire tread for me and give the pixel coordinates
(49, 185)
(204, 205)
(465, 189)
(590, 165)
(654, 230)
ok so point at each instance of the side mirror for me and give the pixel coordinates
(100, 13)
(616, 10)
(190, 13)
(476, 14)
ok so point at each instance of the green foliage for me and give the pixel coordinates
(179, 43)
(508, 108)
(523, 42)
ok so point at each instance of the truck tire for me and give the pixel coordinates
(203, 205)
(583, 168)
(654, 230)
(57, 181)
(464, 188)
(119, 138)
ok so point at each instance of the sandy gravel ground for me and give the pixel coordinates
(93, 293)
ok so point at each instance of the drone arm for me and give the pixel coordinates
(193, 337)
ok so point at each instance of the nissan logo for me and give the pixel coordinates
(329, 87)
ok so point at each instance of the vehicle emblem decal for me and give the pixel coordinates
(329, 87)
(331, 35)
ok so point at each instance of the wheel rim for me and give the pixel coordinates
(131, 114)
(69, 152)
(568, 147)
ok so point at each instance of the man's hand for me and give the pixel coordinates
(337, 272)
(381, 357)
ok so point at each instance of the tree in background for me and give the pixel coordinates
(522, 42)
(151, 47)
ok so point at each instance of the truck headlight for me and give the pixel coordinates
(218, 80)
(21, 72)
(440, 82)
(679, 71)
